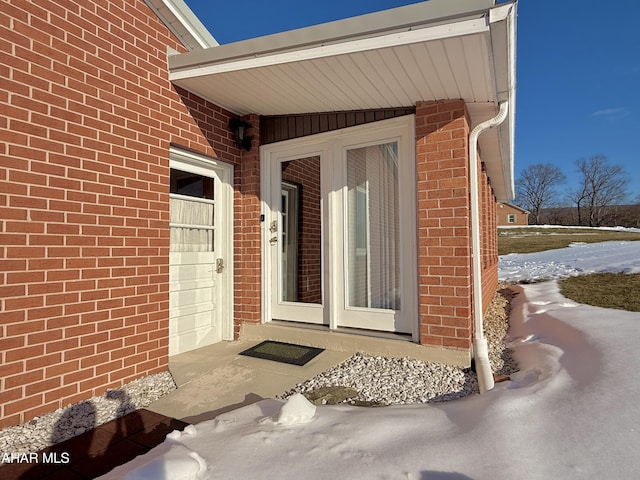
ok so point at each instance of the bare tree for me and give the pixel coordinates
(535, 187)
(578, 198)
(602, 185)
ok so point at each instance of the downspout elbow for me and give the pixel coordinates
(480, 344)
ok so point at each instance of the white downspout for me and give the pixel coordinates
(480, 347)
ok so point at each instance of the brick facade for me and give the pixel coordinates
(444, 267)
(444, 226)
(88, 115)
(489, 244)
(247, 235)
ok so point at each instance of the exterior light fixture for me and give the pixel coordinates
(239, 128)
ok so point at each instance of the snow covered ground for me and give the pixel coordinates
(572, 412)
(576, 259)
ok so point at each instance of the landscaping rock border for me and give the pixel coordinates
(381, 380)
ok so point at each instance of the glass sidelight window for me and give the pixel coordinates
(373, 227)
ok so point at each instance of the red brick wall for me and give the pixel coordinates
(444, 235)
(247, 267)
(489, 235)
(444, 246)
(87, 116)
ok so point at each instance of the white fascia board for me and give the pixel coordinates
(502, 21)
(191, 23)
(499, 13)
(183, 23)
(467, 27)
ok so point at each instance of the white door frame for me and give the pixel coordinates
(331, 147)
(270, 189)
(203, 165)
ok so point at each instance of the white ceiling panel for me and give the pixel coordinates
(433, 87)
(390, 77)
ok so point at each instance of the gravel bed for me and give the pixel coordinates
(377, 381)
(76, 419)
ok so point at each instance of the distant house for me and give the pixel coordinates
(510, 215)
(160, 192)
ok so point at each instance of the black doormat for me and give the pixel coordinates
(283, 352)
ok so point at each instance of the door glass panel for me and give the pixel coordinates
(301, 231)
(373, 227)
(191, 184)
(191, 212)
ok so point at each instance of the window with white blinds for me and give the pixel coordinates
(372, 222)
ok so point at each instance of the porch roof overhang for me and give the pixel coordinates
(435, 50)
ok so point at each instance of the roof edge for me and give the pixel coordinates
(503, 20)
(183, 23)
(520, 209)
(408, 17)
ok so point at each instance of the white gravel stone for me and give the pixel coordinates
(399, 381)
(394, 381)
(65, 423)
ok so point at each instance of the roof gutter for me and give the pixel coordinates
(480, 346)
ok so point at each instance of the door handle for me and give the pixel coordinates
(273, 240)
(219, 265)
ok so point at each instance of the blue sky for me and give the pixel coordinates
(578, 70)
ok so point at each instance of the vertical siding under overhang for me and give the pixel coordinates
(276, 128)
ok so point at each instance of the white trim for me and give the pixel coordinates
(499, 13)
(194, 163)
(183, 23)
(283, 310)
(192, 199)
(192, 225)
(438, 32)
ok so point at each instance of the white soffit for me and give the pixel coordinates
(375, 63)
(433, 63)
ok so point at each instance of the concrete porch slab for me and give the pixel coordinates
(352, 341)
(215, 379)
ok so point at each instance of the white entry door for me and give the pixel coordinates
(200, 294)
(295, 237)
(341, 228)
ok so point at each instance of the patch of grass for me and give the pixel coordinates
(528, 240)
(608, 290)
